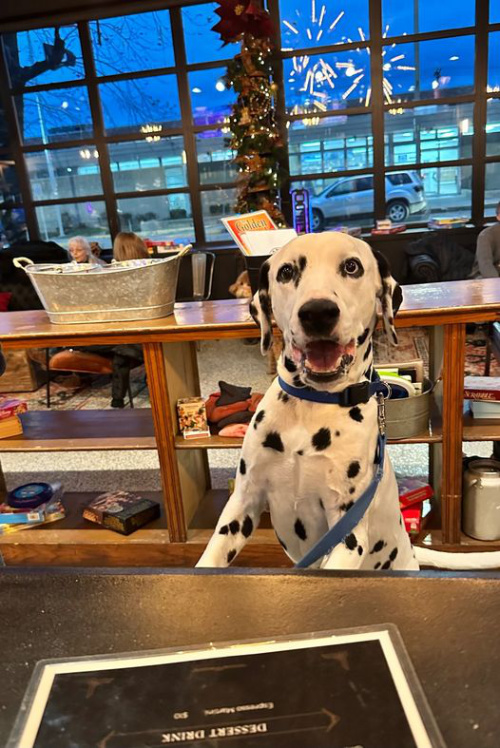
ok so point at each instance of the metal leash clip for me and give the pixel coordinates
(381, 413)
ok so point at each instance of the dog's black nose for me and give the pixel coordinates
(318, 316)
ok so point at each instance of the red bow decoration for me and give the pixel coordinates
(242, 17)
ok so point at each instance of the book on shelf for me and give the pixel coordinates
(121, 511)
(413, 491)
(10, 427)
(482, 388)
(51, 512)
(10, 407)
(485, 409)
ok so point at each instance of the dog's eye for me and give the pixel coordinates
(285, 273)
(352, 267)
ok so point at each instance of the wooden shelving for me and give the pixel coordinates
(480, 429)
(76, 430)
(190, 508)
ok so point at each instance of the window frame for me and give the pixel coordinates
(376, 109)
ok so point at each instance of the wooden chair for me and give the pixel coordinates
(79, 362)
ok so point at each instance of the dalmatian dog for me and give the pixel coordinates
(308, 462)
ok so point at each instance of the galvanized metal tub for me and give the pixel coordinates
(408, 416)
(135, 289)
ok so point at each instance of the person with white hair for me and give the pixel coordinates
(81, 251)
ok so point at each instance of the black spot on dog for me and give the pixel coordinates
(360, 550)
(321, 504)
(234, 526)
(258, 418)
(352, 490)
(300, 530)
(368, 373)
(395, 338)
(337, 433)
(367, 352)
(267, 341)
(273, 441)
(387, 565)
(224, 530)
(247, 526)
(321, 439)
(299, 269)
(353, 469)
(300, 452)
(297, 381)
(253, 312)
(243, 466)
(377, 565)
(347, 506)
(265, 303)
(350, 541)
(356, 414)
(377, 547)
(289, 365)
(231, 555)
(283, 396)
(391, 320)
(393, 554)
(264, 277)
(282, 544)
(363, 336)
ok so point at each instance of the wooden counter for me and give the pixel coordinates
(190, 507)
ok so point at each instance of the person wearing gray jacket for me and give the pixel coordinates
(487, 262)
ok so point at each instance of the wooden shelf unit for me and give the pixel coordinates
(190, 507)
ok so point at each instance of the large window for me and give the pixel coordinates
(122, 121)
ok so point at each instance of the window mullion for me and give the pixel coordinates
(377, 101)
(187, 122)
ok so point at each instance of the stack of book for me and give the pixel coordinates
(386, 226)
(412, 494)
(10, 423)
(17, 518)
(484, 396)
(447, 223)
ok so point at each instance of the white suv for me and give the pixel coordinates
(353, 196)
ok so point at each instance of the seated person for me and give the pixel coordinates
(487, 262)
(81, 251)
(129, 246)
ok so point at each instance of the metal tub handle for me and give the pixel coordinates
(22, 262)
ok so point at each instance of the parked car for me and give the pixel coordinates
(353, 196)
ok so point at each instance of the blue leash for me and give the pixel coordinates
(351, 518)
(352, 395)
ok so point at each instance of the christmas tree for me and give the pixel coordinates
(254, 133)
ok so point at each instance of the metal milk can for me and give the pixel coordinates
(481, 499)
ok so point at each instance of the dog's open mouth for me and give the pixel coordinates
(324, 358)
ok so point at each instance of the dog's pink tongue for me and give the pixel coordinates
(323, 355)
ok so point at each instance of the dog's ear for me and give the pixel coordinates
(390, 296)
(261, 309)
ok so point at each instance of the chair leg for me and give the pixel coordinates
(47, 366)
(131, 399)
(487, 362)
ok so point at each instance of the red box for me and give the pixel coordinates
(413, 491)
(412, 517)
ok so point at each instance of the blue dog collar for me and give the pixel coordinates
(352, 395)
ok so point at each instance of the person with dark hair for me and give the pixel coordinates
(487, 262)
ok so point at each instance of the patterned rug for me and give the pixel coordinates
(76, 392)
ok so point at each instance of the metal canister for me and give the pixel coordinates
(481, 499)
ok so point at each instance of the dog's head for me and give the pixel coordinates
(324, 291)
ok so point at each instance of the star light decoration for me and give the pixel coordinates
(316, 77)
